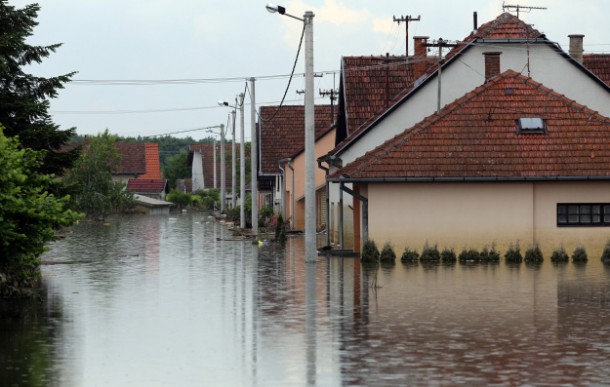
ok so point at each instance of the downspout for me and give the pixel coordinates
(283, 188)
(365, 211)
(341, 187)
(326, 172)
(291, 194)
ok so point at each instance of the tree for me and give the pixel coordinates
(90, 180)
(29, 216)
(24, 98)
(177, 167)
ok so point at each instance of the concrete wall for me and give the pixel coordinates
(465, 215)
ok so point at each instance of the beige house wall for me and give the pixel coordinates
(323, 145)
(472, 215)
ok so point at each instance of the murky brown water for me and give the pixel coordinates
(157, 301)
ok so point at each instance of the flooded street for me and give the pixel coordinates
(173, 301)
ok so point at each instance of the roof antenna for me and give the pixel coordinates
(518, 8)
(406, 20)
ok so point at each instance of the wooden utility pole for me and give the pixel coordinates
(406, 20)
(332, 93)
(440, 43)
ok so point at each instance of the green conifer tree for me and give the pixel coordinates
(24, 98)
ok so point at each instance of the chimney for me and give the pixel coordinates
(492, 64)
(576, 49)
(475, 22)
(420, 53)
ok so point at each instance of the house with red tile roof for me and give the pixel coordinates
(281, 132)
(505, 43)
(203, 158)
(511, 161)
(140, 169)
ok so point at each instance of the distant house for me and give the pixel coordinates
(281, 141)
(202, 161)
(140, 169)
(512, 161)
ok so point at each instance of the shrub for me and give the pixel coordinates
(265, 214)
(490, 254)
(181, 199)
(533, 254)
(469, 256)
(560, 256)
(409, 255)
(606, 253)
(430, 254)
(387, 253)
(513, 254)
(280, 230)
(370, 253)
(448, 256)
(580, 255)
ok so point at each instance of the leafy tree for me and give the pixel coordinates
(24, 98)
(90, 180)
(177, 167)
(29, 216)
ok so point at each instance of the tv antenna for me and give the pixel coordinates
(518, 8)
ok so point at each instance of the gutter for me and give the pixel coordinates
(291, 194)
(327, 183)
(283, 188)
(466, 179)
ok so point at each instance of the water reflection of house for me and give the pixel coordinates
(504, 160)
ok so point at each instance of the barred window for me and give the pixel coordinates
(583, 214)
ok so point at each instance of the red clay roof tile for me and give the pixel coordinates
(283, 132)
(476, 136)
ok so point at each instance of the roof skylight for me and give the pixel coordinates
(531, 125)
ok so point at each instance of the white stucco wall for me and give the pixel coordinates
(197, 171)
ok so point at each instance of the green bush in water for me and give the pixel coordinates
(370, 252)
(490, 254)
(606, 253)
(469, 256)
(560, 256)
(409, 255)
(513, 254)
(430, 254)
(387, 253)
(448, 256)
(533, 255)
(580, 255)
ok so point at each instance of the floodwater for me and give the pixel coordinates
(173, 301)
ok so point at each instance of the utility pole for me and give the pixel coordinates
(233, 160)
(311, 249)
(440, 43)
(223, 171)
(406, 20)
(332, 93)
(253, 158)
(242, 166)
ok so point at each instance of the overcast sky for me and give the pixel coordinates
(221, 43)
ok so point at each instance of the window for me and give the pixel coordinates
(583, 214)
(531, 125)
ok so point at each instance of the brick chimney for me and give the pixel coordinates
(420, 53)
(576, 48)
(492, 64)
